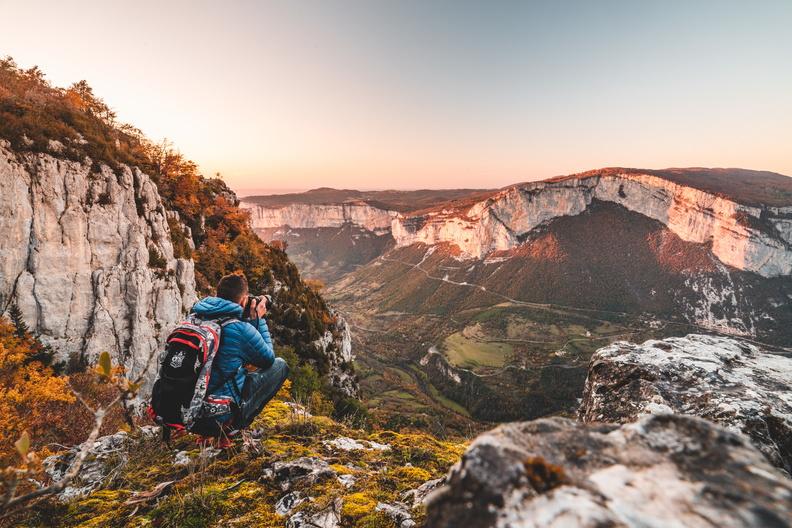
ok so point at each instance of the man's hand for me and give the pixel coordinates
(257, 309)
(261, 309)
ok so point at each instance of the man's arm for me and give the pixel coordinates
(258, 344)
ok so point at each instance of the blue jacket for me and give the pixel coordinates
(241, 343)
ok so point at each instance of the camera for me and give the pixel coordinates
(258, 299)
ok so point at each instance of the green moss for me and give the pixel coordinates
(103, 508)
(357, 505)
(230, 491)
(194, 510)
(410, 476)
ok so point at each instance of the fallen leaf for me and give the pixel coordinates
(145, 496)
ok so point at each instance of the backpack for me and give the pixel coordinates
(179, 397)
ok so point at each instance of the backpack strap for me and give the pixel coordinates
(223, 322)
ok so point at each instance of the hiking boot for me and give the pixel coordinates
(204, 441)
(223, 442)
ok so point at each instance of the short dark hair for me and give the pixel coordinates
(232, 287)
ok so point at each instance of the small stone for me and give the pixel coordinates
(344, 443)
(397, 511)
(418, 496)
(181, 459)
(330, 517)
(288, 502)
(304, 471)
(347, 480)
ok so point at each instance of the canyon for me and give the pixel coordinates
(489, 304)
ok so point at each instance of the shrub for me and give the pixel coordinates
(156, 260)
(34, 398)
(181, 244)
(352, 411)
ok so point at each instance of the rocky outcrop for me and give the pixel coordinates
(93, 471)
(336, 347)
(664, 470)
(752, 238)
(96, 467)
(86, 253)
(299, 215)
(731, 382)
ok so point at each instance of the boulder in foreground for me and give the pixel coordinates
(662, 471)
(728, 381)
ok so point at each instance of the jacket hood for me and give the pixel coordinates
(211, 307)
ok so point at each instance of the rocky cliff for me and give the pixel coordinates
(755, 238)
(309, 216)
(748, 230)
(86, 253)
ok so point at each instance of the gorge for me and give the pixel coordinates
(512, 290)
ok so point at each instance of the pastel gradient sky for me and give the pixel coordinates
(428, 94)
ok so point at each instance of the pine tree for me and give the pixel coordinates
(39, 351)
(21, 329)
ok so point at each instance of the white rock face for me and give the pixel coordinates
(299, 215)
(731, 382)
(338, 351)
(695, 216)
(74, 256)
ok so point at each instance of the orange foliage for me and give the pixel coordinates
(27, 390)
(34, 399)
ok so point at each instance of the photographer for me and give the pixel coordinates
(245, 368)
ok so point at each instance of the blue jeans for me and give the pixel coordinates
(259, 388)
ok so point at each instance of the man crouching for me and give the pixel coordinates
(245, 342)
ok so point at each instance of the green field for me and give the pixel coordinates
(470, 353)
(447, 402)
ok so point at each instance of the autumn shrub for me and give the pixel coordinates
(29, 391)
(35, 399)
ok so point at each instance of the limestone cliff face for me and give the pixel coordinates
(747, 237)
(299, 215)
(86, 253)
(757, 239)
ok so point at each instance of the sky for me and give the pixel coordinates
(406, 94)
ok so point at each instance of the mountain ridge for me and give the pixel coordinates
(756, 238)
